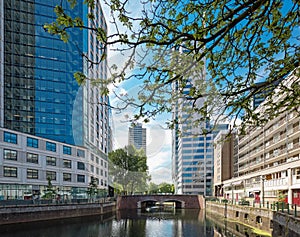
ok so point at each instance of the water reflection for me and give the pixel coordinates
(179, 223)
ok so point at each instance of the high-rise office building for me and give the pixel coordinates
(44, 112)
(137, 137)
(192, 153)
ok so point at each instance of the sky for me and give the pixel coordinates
(159, 139)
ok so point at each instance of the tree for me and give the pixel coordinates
(234, 43)
(166, 188)
(93, 188)
(50, 192)
(128, 169)
(152, 188)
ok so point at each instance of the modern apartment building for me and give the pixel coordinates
(48, 122)
(268, 163)
(137, 137)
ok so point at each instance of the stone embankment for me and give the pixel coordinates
(275, 223)
(22, 214)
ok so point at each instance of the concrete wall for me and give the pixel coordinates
(257, 217)
(285, 225)
(50, 212)
(276, 223)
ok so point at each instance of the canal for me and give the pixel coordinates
(179, 223)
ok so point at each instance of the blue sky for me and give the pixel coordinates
(158, 138)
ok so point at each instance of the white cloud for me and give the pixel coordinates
(162, 175)
(158, 138)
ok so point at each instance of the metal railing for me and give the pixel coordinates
(290, 209)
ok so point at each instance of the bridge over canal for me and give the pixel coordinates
(142, 201)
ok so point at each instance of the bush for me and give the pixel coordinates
(244, 203)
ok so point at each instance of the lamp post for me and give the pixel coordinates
(263, 189)
(232, 192)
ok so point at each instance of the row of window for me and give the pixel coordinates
(34, 158)
(96, 158)
(33, 142)
(34, 174)
(185, 151)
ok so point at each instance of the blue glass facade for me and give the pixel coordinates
(39, 69)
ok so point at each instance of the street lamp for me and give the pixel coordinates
(232, 193)
(263, 189)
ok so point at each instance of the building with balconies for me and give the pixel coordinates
(268, 163)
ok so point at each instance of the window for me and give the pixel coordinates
(92, 169)
(80, 153)
(67, 177)
(10, 154)
(32, 174)
(50, 146)
(97, 160)
(10, 137)
(51, 161)
(51, 175)
(297, 173)
(32, 158)
(276, 137)
(67, 164)
(80, 178)
(10, 171)
(67, 150)
(80, 165)
(32, 142)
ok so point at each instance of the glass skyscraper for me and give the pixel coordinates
(38, 93)
(192, 152)
(137, 137)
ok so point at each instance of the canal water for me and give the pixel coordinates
(179, 223)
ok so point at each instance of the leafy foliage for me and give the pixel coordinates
(224, 46)
(93, 188)
(50, 192)
(128, 169)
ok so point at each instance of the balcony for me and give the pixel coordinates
(276, 182)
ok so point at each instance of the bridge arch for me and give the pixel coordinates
(143, 204)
